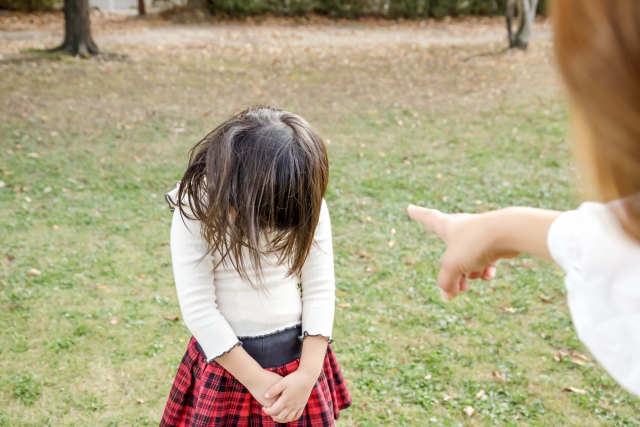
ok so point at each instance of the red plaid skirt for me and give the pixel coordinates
(206, 395)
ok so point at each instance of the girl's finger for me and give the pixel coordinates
(282, 416)
(276, 408)
(431, 218)
(298, 414)
(276, 389)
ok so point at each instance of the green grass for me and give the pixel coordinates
(86, 342)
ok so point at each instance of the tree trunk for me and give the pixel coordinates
(142, 10)
(525, 12)
(510, 14)
(77, 30)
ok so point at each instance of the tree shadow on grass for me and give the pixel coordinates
(42, 55)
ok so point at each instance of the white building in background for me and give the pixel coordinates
(129, 6)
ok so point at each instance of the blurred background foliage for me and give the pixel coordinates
(349, 9)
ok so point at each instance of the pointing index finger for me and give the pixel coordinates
(431, 218)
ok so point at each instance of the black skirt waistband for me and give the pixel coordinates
(272, 350)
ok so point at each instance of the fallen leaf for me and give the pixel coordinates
(141, 277)
(113, 321)
(33, 155)
(33, 272)
(391, 243)
(172, 318)
(14, 305)
(574, 390)
(343, 305)
(510, 310)
(73, 181)
(545, 298)
(406, 162)
(137, 159)
(427, 377)
(367, 218)
(140, 401)
(480, 394)
(55, 227)
(393, 231)
(580, 355)
(578, 361)
(447, 398)
(557, 358)
(498, 375)
(470, 411)
(93, 288)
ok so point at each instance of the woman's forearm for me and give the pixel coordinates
(522, 230)
(314, 350)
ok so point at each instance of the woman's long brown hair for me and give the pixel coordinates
(597, 44)
(256, 183)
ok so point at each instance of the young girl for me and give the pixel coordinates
(253, 265)
(597, 46)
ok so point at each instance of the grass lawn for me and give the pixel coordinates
(90, 333)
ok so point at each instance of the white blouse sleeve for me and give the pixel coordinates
(196, 288)
(318, 282)
(602, 266)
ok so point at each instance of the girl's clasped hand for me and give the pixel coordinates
(292, 393)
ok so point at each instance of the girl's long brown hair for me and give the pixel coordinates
(256, 183)
(597, 45)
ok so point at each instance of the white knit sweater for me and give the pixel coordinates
(220, 308)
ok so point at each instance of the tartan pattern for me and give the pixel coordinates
(206, 395)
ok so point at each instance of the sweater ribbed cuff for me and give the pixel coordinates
(317, 319)
(306, 334)
(218, 342)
